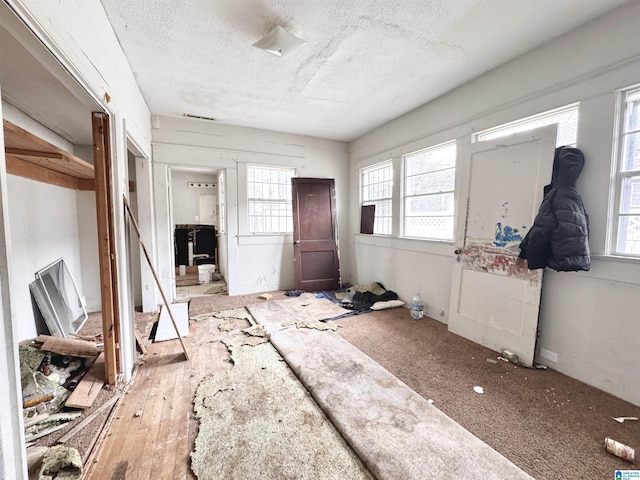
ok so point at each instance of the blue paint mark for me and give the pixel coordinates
(506, 234)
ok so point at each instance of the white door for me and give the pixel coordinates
(495, 299)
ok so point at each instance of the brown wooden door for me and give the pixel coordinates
(315, 248)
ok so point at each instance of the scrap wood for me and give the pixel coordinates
(155, 275)
(265, 296)
(89, 387)
(44, 433)
(53, 419)
(36, 419)
(140, 342)
(109, 403)
(69, 346)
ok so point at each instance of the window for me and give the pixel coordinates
(628, 177)
(565, 117)
(429, 182)
(377, 189)
(269, 198)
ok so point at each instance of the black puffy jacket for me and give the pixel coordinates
(559, 237)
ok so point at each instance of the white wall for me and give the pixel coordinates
(44, 227)
(588, 319)
(256, 263)
(185, 199)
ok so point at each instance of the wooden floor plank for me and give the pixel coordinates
(158, 443)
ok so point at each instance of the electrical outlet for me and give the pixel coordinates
(197, 218)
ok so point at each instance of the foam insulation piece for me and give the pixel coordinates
(61, 463)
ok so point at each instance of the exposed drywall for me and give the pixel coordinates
(256, 263)
(587, 319)
(185, 199)
(44, 227)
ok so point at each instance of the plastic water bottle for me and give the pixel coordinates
(417, 307)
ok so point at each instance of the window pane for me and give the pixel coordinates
(566, 118)
(377, 189)
(630, 152)
(632, 114)
(429, 192)
(430, 160)
(269, 199)
(629, 235)
(441, 181)
(630, 195)
(440, 203)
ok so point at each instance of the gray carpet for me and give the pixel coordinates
(396, 433)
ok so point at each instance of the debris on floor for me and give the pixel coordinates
(623, 419)
(619, 449)
(509, 356)
(478, 389)
(62, 463)
(52, 371)
(257, 335)
(492, 360)
(216, 289)
(265, 296)
(317, 325)
(256, 331)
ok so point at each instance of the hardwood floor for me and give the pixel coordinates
(152, 433)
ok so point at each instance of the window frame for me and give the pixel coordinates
(619, 175)
(454, 191)
(286, 201)
(370, 168)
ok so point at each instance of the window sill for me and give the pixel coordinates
(433, 247)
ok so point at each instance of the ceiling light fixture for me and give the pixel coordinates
(279, 42)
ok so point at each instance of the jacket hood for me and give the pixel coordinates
(567, 166)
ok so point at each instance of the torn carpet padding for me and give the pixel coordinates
(256, 421)
(395, 431)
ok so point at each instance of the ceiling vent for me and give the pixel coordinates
(199, 117)
(279, 42)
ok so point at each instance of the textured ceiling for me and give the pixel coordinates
(365, 62)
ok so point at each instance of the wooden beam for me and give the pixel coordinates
(102, 163)
(86, 184)
(21, 168)
(34, 154)
(31, 148)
